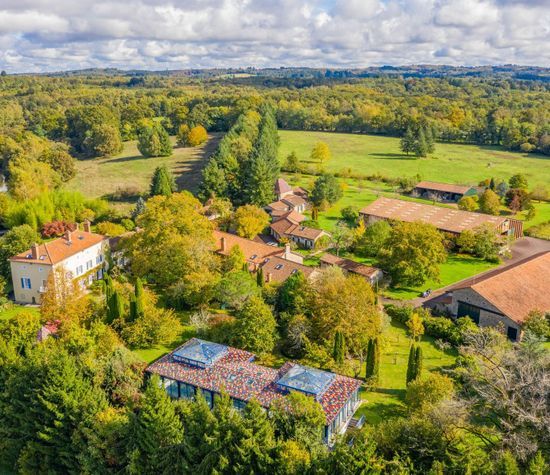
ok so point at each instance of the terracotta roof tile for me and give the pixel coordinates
(254, 252)
(446, 219)
(281, 186)
(517, 289)
(281, 269)
(278, 206)
(349, 265)
(59, 249)
(445, 187)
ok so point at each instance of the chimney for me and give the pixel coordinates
(87, 226)
(269, 277)
(224, 245)
(34, 251)
(68, 235)
(287, 250)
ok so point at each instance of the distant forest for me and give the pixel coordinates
(489, 106)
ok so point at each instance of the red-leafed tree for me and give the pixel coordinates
(56, 228)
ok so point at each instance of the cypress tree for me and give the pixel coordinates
(369, 371)
(133, 310)
(138, 291)
(154, 428)
(339, 350)
(429, 137)
(418, 362)
(260, 277)
(411, 364)
(162, 182)
(537, 465)
(376, 359)
(116, 308)
(492, 184)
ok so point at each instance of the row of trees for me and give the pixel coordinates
(246, 165)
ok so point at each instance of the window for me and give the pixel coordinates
(171, 387)
(187, 391)
(512, 333)
(208, 397)
(79, 270)
(26, 282)
(99, 259)
(278, 266)
(238, 404)
(89, 264)
(468, 310)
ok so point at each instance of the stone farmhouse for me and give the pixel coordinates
(80, 253)
(503, 296)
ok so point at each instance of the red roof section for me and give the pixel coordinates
(238, 376)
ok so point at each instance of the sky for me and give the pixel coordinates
(56, 35)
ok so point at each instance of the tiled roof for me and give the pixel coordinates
(445, 187)
(278, 206)
(59, 249)
(242, 379)
(281, 186)
(292, 216)
(294, 200)
(446, 219)
(282, 225)
(281, 269)
(517, 289)
(349, 265)
(254, 252)
(305, 232)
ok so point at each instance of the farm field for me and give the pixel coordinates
(100, 177)
(453, 163)
(387, 400)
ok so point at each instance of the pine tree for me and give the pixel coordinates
(154, 141)
(258, 443)
(260, 277)
(411, 371)
(154, 427)
(429, 137)
(420, 146)
(162, 182)
(407, 141)
(537, 465)
(139, 208)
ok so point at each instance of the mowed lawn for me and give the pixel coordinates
(100, 177)
(451, 163)
(387, 399)
(14, 310)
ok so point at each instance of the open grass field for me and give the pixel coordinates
(452, 163)
(387, 400)
(100, 177)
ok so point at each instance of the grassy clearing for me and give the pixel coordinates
(100, 177)
(14, 310)
(456, 268)
(455, 163)
(387, 400)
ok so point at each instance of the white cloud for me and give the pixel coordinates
(66, 34)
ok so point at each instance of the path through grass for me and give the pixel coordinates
(387, 400)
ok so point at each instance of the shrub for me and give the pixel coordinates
(110, 229)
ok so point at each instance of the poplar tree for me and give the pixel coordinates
(376, 359)
(369, 371)
(115, 308)
(418, 362)
(138, 292)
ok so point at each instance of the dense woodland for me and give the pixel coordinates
(79, 402)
